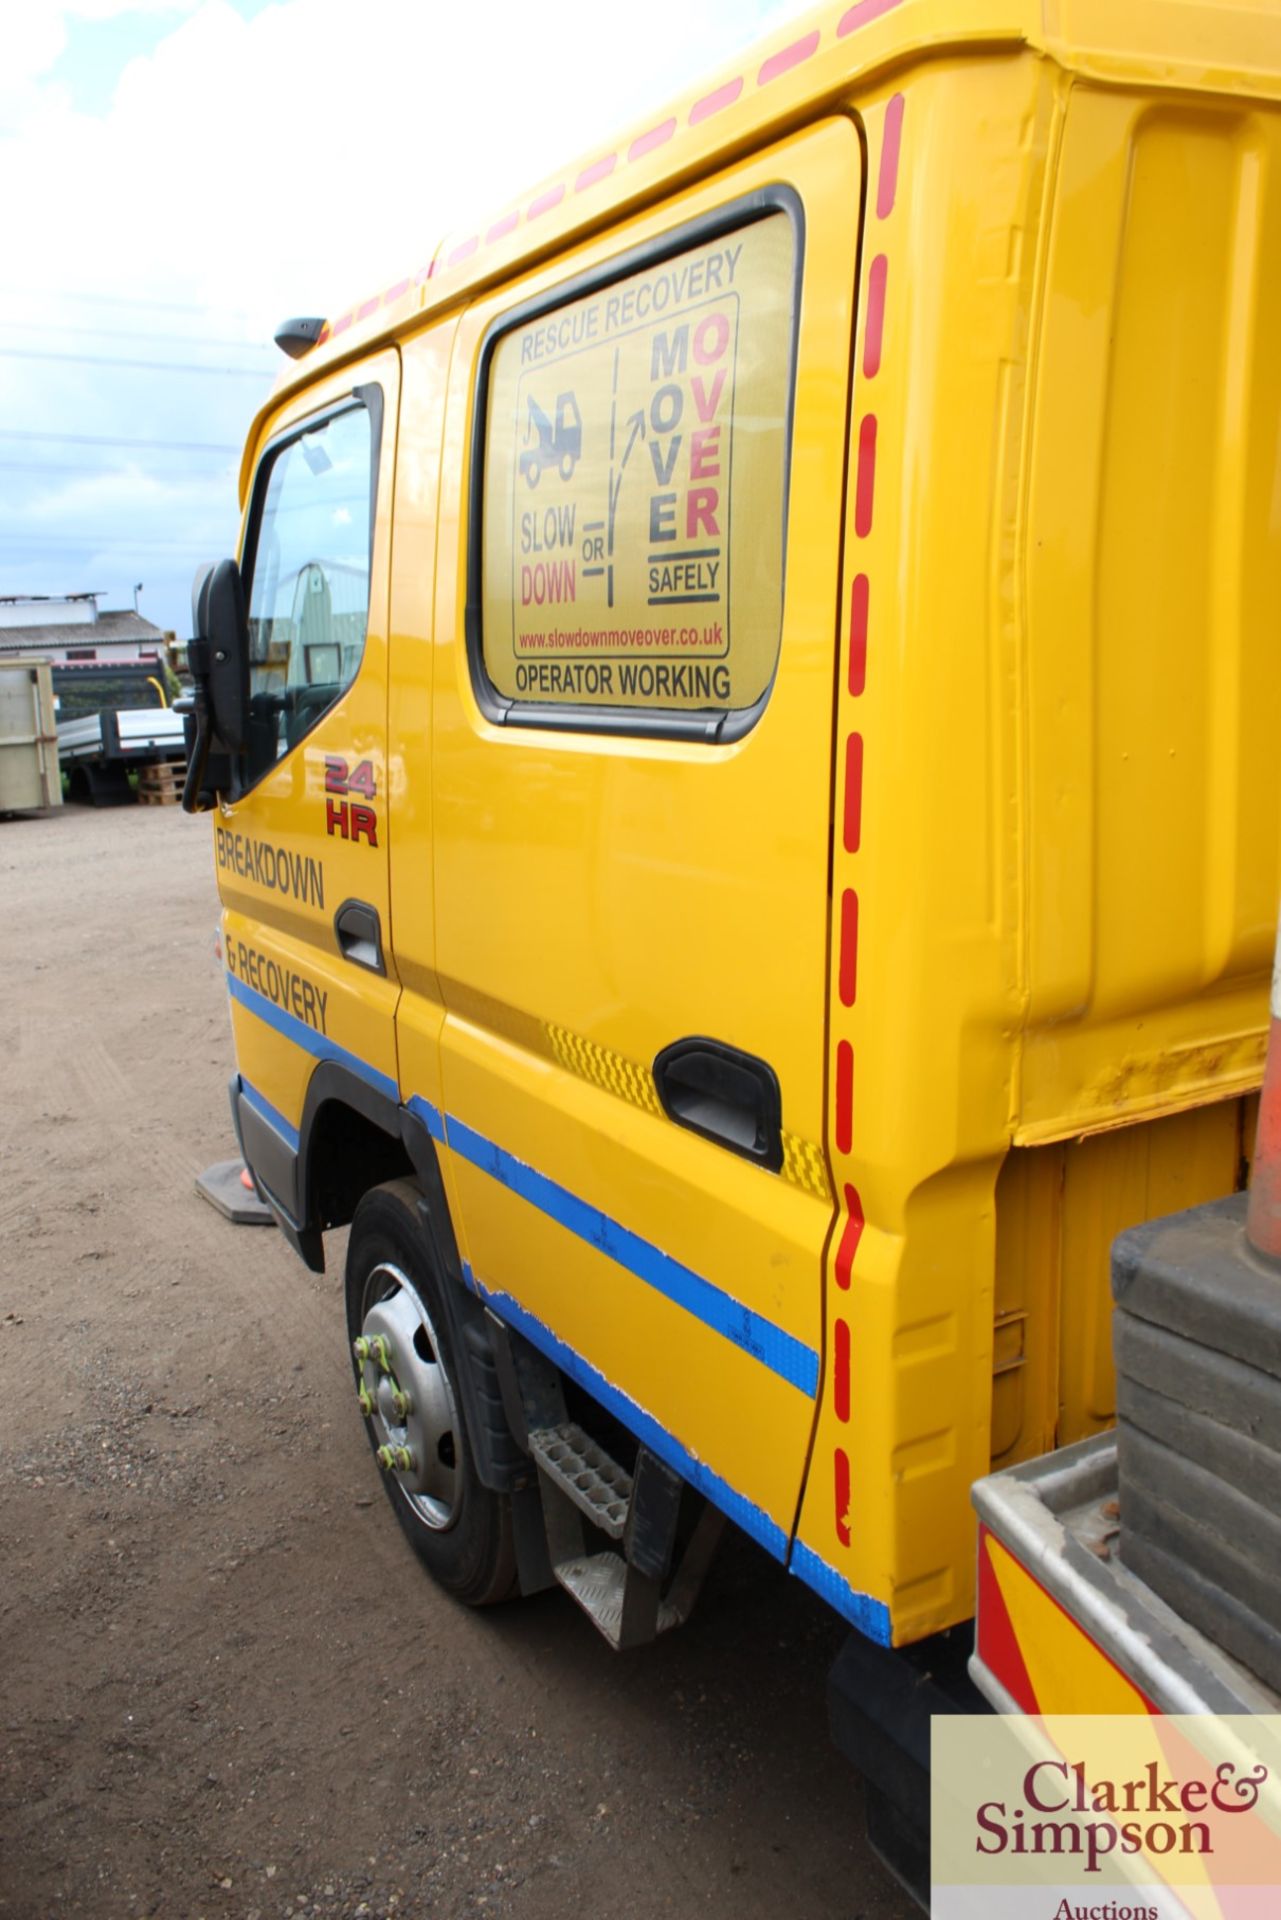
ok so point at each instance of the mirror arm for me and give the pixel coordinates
(198, 758)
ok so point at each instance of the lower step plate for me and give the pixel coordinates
(597, 1582)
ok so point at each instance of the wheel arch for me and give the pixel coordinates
(351, 1139)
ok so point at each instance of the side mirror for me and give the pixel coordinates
(220, 654)
(217, 724)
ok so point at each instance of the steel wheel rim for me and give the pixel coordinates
(418, 1435)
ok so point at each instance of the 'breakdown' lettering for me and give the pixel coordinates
(295, 874)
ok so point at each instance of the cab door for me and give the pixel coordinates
(632, 788)
(302, 853)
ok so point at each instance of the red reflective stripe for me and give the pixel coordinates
(841, 1488)
(599, 170)
(715, 102)
(501, 228)
(341, 326)
(787, 58)
(875, 316)
(323, 335)
(853, 791)
(546, 201)
(646, 142)
(863, 14)
(865, 488)
(887, 181)
(464, 250)
(997, 1643)
(991, 1650)
(844, 1097)
(394, 293)
(858, 634)
(841, 1370)
(851, 1234)
(370, 306)
(849, 947)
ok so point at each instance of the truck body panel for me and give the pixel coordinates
(984, 874)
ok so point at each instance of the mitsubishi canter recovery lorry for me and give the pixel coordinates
(738, 919)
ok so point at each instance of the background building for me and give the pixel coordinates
(71, 627)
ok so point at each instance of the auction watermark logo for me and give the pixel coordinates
(1106, 1817)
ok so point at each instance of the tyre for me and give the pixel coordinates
(406, 1377)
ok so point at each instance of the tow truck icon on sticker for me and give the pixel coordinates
(559, 445)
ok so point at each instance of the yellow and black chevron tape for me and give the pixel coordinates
(803, 1163)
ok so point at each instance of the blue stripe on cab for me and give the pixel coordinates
(776, 1349)
(432, 1117)
(319, 1045)
(871, 1617)
(766, 1532)
(265, 1111)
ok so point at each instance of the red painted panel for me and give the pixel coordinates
(851, 1234)
(844, 1097)
(891, 145)
(715, 102)
(858, 634)
(865, 486)
(787, 58)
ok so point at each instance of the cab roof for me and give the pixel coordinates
(1225, 46)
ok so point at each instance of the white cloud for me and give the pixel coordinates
(288, 163)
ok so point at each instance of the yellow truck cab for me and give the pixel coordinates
(742, 750)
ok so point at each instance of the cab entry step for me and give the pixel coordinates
(584, 1472)
(583, 1492)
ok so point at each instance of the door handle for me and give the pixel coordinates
(725, 1095)
(359, 935)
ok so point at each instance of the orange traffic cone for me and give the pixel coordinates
(1263, 1208)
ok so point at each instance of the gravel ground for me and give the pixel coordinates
(229, 1689)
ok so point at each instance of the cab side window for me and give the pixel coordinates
(309, 580)
(628, 574)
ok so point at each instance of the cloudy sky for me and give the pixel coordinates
(180, 175)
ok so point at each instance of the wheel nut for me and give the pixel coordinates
(378, 1346)
(360, 1348)
(366, 1400)
(385, 1459)
(400, 1401)
(404, 1459)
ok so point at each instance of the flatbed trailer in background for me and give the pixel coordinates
(112, 722)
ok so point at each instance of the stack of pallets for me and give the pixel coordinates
(160, 785)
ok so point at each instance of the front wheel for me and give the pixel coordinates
(406, 1380)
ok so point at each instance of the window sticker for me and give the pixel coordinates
(634, 486)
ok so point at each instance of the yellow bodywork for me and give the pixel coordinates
(991, 883)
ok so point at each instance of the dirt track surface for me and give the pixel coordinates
(228, 1688)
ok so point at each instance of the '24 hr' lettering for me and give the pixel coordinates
(350, 819)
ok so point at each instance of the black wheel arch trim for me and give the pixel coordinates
(284, 1174)
(268, 1155)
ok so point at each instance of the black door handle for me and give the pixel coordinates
(726, 1095)
(359, 935)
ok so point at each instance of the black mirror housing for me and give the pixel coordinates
(218, 726)
(220, 652)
